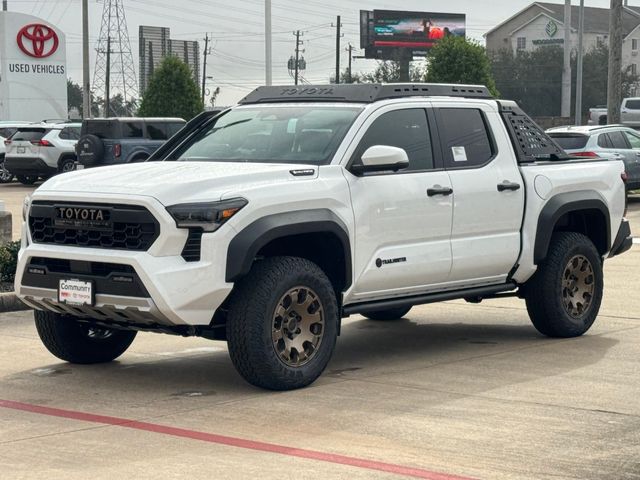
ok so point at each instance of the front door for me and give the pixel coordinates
(402, 227)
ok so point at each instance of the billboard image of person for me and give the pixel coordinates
(414, 30)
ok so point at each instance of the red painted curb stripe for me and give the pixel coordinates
(231, 441)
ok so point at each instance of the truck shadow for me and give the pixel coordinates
(475, 357)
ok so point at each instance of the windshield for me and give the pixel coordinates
(570, 141)
(304, 134)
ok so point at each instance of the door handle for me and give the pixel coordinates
(438, 190)
(506, 185)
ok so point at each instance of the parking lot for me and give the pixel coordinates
(451, 391)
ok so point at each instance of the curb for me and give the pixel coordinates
(9, 302)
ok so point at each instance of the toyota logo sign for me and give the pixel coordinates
(37, 40)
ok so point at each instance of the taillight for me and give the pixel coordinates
(624, 177)
(42, 143)
(585, 154)
(7, 142)
(117, 150)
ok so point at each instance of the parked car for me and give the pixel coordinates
(613, 142)
(267, 224)
(41, 150)
(109, 141)
(629, 113)
(6, 130)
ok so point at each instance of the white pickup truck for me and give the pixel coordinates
(267, 224)
(629, 113)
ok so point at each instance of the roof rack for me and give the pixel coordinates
(361, 93)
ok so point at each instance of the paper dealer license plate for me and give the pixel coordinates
(75, 292)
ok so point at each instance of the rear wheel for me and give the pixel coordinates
(5, 175)
(67, 165)
(563, 297)
(389, 314)
(77, 342)
(27, 179)
(282, 323)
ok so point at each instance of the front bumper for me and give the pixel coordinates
(623, 241)
(169, 291)
(28, 166)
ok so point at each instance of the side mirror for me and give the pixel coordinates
(381, 158)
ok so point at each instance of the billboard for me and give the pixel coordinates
(33, 69)
(386, 32)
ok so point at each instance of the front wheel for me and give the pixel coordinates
(5, 175)
(563, 297)
(77, 342)
(282, 323)
(27, 179)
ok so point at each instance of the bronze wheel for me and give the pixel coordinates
(577, 286)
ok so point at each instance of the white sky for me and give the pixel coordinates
(237, 60)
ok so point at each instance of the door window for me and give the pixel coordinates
(70, 133)
(407, 129)
(465, 138)
(634, 140)
(173, 128)
(132, 130)
(633, 104)
(603, 141)
(617, 140)
(157, 131)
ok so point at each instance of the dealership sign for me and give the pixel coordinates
(33, 69)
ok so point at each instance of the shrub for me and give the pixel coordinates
(8, 261)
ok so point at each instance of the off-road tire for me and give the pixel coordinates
(389, 314)
(71, 341)
(27, 179)
(252, 309)
(544, 292)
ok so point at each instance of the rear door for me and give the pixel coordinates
(68, 137)
(488, 192)
(633, 164)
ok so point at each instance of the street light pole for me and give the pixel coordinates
(578, 119)
(86, 93)
(267, 43)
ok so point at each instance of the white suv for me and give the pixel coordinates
(6, 130)
(41, 150)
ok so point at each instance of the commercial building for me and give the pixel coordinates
(33, 69)
(542, 23)
(156, 44)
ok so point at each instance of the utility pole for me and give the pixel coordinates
(614, 85)
(204, 65)
(565, 110)
(338, 25)
(4, 5)
(296, 67)
(86, 75)
(268, 57)
(578, 119)
(350, 50)
(107, 97)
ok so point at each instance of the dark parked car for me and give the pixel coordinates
(110, 141)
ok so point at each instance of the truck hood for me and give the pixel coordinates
(175, 182)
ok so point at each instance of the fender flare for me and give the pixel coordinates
(244, 247)
(137, 153)
(561, 204)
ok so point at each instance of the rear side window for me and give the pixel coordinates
(603, 141)
(618, 140)
(29, 134)
(157, 131)
(70, 133)
(465, 138)
(406, 129)
(173, 128)
(633, 104)
(102, 129)
(7, 132)
(132, 130)
(570, 141)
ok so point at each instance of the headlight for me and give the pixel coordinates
(26, 204)
(208, 216)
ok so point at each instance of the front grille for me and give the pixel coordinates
(108, 278)
(132, 227)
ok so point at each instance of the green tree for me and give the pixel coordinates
(172, 92)
(74, 96)
(457, 60)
